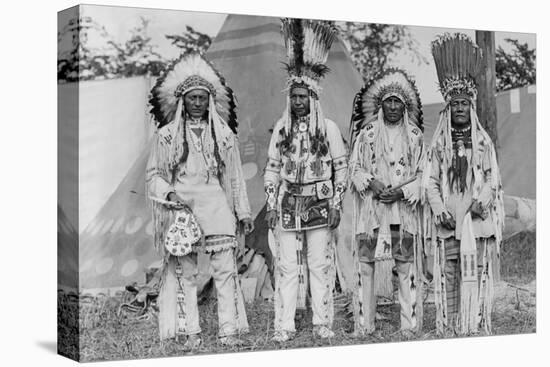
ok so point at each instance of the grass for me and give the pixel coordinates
(519, 256)
(105, 335)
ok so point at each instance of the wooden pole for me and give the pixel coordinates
(486, 81)
(487, 104)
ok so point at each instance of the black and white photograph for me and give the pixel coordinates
(237, 183)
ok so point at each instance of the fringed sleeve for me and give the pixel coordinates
(433, 189)
(487, 193)
(157, 175)
(360, 175)
(358, 184)
(158, 186)
(412, 191)
(339, 154)
(272, 171)
(237, 182)
(497, 204)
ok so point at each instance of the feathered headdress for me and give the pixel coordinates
(458, 62)
(368, 101)
(189, 72)
(307, 44)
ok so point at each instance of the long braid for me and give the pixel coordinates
(185, 152)
(220, 163)
(176, 162)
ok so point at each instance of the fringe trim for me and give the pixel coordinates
(236, 289)
(469, 289)
(440, 286)
(217, 245)
(357, 291)
(486, 291)
(415, 284)
(181, 328)
(302, 270)
(162, 218)
(469, 308)
(278, 305)
(330, 277)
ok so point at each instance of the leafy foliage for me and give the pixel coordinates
(191, 41)
(137, 56)
(89, 52)
(372, 45)
(78, 58)
(516, 68)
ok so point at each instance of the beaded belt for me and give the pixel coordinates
(321, 189)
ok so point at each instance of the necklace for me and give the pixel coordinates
(203, 145)
(195, 121)
(462, 139)
(302, 123)
(196, 134)
(393, 136)
(461, 130)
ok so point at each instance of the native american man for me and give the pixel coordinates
(305, 180)
(195, 165)
(463, 188)
(385, 175)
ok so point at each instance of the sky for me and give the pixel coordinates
(118, 21)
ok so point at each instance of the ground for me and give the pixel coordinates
(107, 335)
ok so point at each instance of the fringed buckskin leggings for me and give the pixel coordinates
(231, 312)
(319, 256)
(452, 273)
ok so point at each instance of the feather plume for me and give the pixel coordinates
(458, 62)
(307, 43)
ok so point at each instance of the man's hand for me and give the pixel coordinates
(447, 221)
(333, 218)
(180, 204)
(377, 187)
(247, 225)
(390, 196)
(271, 218)
(477, 210)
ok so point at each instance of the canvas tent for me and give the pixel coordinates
(117, 247)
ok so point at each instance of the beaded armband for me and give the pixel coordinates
(338, 198)
(271, 196)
